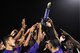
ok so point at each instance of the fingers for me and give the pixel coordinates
(39, 25)
(14, 32)
(24, 23)
(32, 29)
(62, 39)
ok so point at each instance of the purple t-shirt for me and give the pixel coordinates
(16, 50)
(59, 51)
(34, 48)
(7, 51)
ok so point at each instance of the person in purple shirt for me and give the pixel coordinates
(53, 43)
(17, 49)
(53, 46)
(13, 45)
(35, 47)
(10, 43)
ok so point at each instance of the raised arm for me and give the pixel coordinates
(28, 39)
(21, 30)
(54, 30)
(40, 35)
(76, 43)
(30, 35)
(35, 47)
(56, 34)
(21, 40)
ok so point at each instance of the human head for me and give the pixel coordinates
(52, 44)
(69, 44)
(9, 41)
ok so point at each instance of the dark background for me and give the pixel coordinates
(64, 13)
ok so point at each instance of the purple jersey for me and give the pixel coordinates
(59, 51)
(34, 48)
(7, 51)
(16, 50)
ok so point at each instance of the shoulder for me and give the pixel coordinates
(7, 51)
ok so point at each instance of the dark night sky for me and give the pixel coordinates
(65, 14)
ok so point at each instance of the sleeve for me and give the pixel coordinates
(34, 48)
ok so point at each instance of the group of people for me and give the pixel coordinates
(38, 39)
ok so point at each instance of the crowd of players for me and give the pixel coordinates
(38, 39)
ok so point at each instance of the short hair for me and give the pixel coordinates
(5, 39)
(55, 43)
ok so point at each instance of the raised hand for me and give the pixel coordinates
(14, 32)
(23, 23)
(39, 25)
(33, 27)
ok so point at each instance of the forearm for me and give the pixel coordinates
(54, 30)
(56, 34)
(26, 32)
(39, 36)
(21, 40)
(19, 33)
(23, 37)
(28, 39)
